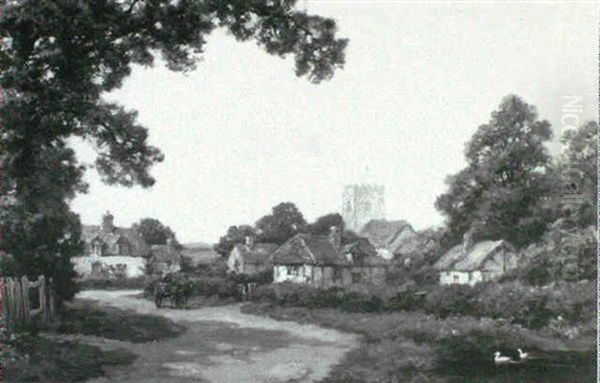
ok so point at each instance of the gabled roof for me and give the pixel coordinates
(382, 233)
(406, 241)
(473, 259)
(257, 254)
(309, 249)
(139, 247)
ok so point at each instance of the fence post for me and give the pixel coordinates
(251, 290)
(52, 304)
(4, 302)
(18, 296)
(25, 292)
(42, 297)
(10, 300)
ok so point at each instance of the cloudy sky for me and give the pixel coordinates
(242, 133)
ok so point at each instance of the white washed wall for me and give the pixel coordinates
(282, 274)
(460, 277)
(135, 266)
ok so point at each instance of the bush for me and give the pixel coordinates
(265, 293)
(357, 302)
(263, 278)
(293, 294)
(408, 300)
(528, 306)
(451, 300)
(107, 284)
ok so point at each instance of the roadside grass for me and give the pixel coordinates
(29, 358)
(406, 346)
(112, 323)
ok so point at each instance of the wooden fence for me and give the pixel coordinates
(16, 302)
(248, 290)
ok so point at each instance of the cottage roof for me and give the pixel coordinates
(308, 249)
(257, 253)
(382, 233)
(473, 259)
(320, 250)
(407, 241)
(137, 244)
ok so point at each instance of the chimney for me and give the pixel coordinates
(249, 240)
(335, 236)
(467, 241)
(108, 223)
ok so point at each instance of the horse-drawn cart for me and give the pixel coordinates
(178, 290)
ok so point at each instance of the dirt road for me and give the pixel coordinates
(223, 345)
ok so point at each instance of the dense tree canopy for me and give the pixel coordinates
(323, 224)
(500, 191)
(61, 56)
(235, 234)
(154, 232)
(577, 174)
(284, 222)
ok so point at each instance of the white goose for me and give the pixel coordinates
(500, 359)
(523, 355)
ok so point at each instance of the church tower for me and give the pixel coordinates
(362, 203)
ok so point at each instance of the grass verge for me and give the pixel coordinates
(112, 323)
(29, 358)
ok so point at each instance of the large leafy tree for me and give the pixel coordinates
(323, 224)
(154, 232)
(577, 175)
(60, 56)
(284, 222)
(234, 235)
(499, 193)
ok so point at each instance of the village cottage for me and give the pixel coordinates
(397, 241)
(322, 261)
(250, 258)
(469, 263)
(111, 252)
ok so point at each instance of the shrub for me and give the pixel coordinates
(451, 300)
(261, 278)
(357, 302)
(408, 300)
(528, 306)
(119, 283)
(265, 293)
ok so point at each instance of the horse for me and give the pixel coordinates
(177, 291)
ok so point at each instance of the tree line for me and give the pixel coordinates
(284, 221)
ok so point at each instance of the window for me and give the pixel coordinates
(455, 278)
(470, 276)
(294, 270)
(356, 277)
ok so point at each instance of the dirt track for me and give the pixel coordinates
(223, 345)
